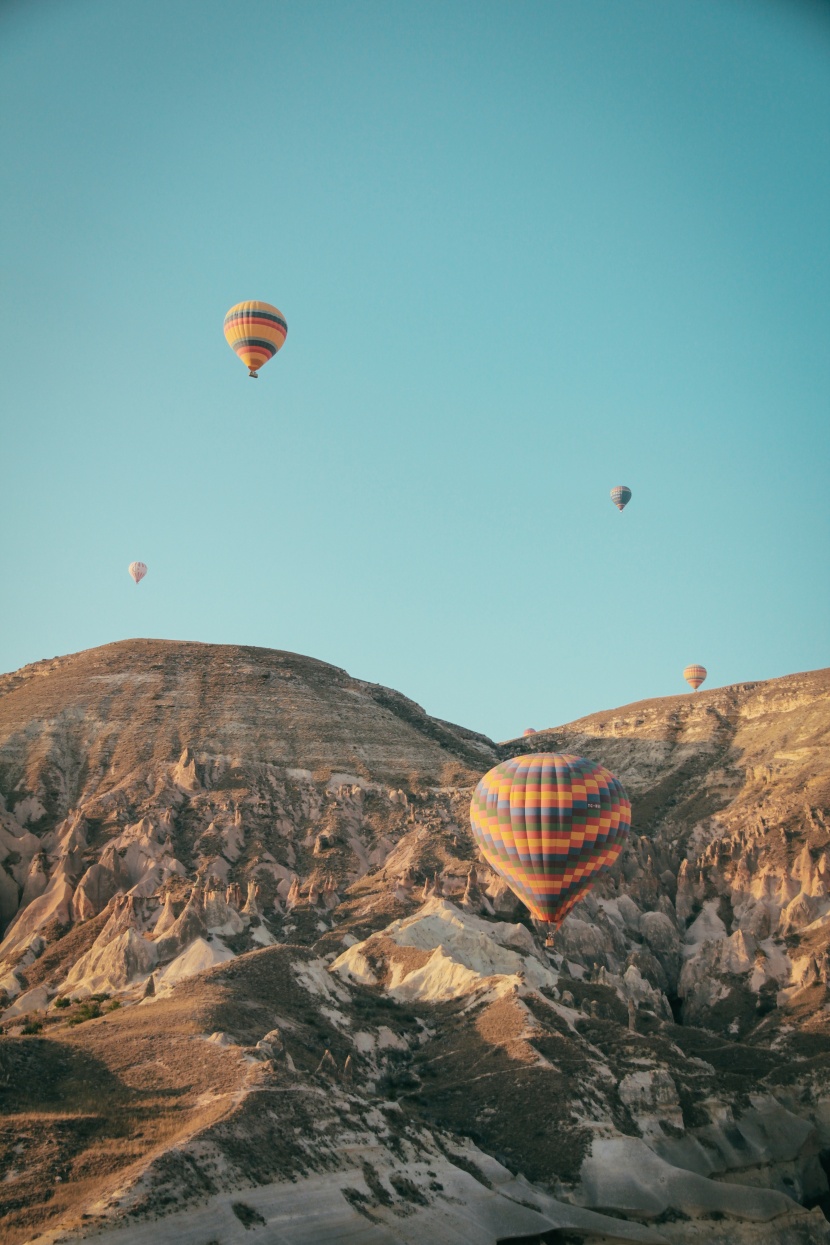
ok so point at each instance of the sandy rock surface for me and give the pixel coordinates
(256, 977)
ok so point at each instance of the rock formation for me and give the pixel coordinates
(265, 865)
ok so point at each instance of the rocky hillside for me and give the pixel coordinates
(257, 980)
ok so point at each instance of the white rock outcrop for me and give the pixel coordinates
(199, 956)
(112, 966)
(623, 1176)
(464, 954)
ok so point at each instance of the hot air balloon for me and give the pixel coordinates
(529, 731)
(621, 496)
(549, 823)
(138, 570)
(694, 676)
(256, 331)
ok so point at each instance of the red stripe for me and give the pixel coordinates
(277, 328)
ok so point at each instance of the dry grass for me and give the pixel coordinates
(85, 1108)
(473, 1084)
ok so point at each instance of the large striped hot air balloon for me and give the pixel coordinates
(138, 570)
(621, 496)
(256, 331)
(549, 823)
(694, 676)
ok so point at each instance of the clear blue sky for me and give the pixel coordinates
(526, 251)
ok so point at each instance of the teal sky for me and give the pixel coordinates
(526, 252)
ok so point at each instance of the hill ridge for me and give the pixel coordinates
(266, 864)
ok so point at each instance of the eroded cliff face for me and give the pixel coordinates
(334, 1018)
(730, 793)
(126, 768)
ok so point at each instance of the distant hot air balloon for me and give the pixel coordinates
(529, 731)
(256, 331)
(621, 496)
(694, 676)
(549, 823)
(138, 570)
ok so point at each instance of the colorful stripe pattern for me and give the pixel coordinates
(621, 496)
(549, 823)
(256, 331)
(138, 570)
(694, 676)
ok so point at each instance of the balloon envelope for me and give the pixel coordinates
(138, 570)
(529, 731)
(694, 676)
(256, 331)
(621, 496)
(549, 823)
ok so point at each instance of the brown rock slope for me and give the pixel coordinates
(256, 977)
(226, 752)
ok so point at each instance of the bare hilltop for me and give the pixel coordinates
(256, 981)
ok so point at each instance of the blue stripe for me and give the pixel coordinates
(233, 316)
(248, 343)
